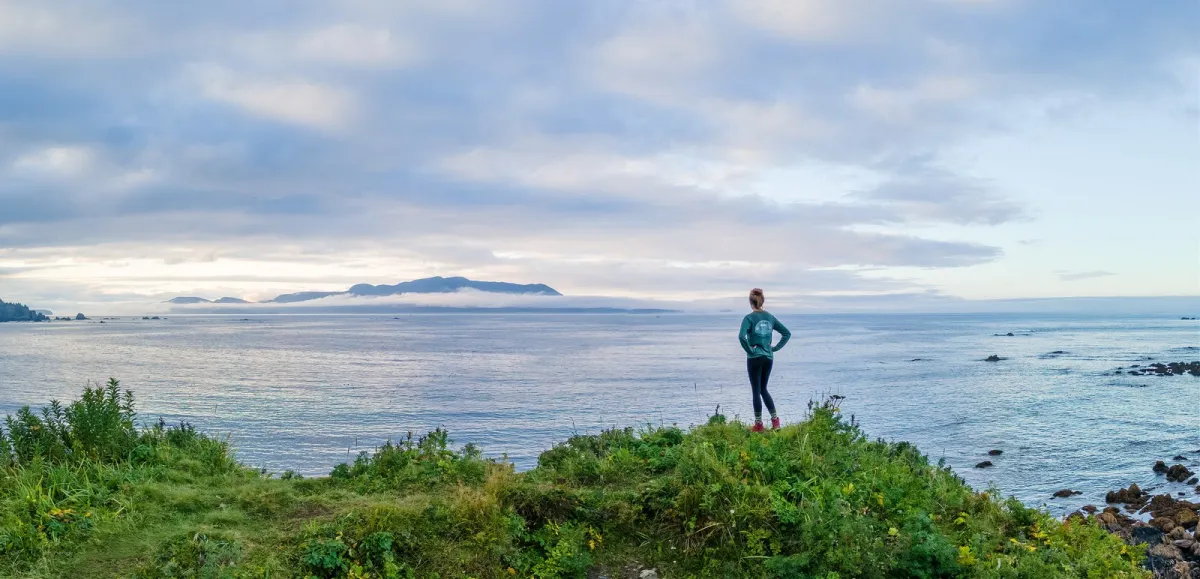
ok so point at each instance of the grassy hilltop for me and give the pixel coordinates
(85, 492)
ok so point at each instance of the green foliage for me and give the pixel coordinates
(194, 556)
(421, 462)
(99, 426)
(66, 471)
(84, 492)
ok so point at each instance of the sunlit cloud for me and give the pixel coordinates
(665, 151)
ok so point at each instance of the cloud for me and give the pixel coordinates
(296, 101)
(809, 20)
(624, 147)
(56, 161)
(931, 195)
(1082, 275)
(355, 45)
(62, 29)
(346, 45)
(902, 104)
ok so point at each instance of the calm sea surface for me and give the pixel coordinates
(308, 392)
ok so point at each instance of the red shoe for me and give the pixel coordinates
(758, 427)
(774, 423)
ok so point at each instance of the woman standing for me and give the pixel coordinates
(756, 336)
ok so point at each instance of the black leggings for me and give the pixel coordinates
(759, 370)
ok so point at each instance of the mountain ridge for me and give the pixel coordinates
(428, 285)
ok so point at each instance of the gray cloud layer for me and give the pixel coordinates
(609, 146)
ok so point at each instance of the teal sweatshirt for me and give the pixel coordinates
(756, 335)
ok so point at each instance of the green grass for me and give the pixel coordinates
(86, 493)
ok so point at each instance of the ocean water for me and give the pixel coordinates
(307, 392)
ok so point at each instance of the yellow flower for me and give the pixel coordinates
(512, 571)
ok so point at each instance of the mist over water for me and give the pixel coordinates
(307, 392)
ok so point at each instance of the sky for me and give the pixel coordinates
(670, 150)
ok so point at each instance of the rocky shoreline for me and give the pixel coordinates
(1166, 526)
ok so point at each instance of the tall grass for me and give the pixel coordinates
(65, 470)
(86, 492)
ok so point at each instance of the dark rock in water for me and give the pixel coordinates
(1179, 457)
(985, 464)
(993, 358)
(1160, 467)
(995, 452)
(1009, 334)
(1178, 473)
(1130, 496)
(80, 317)
(1192, 481)
(1171, 369)
(1066, 493)
(1089, 509)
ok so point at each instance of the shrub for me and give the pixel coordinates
(194, 555)
(422, 462)
(65, 470)
(98, 426)
(815, 499)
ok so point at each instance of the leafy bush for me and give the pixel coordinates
(815, 499)
(194, 556)
(83, 488)
(98, 426)
(65, 470)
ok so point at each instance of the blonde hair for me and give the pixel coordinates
(757, 298)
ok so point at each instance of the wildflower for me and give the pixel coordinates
(512, 571)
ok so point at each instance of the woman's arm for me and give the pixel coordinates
(784, 334)
(743, 335)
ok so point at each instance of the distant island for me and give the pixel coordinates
(429, 285)
(184, 300)
(19, 313)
